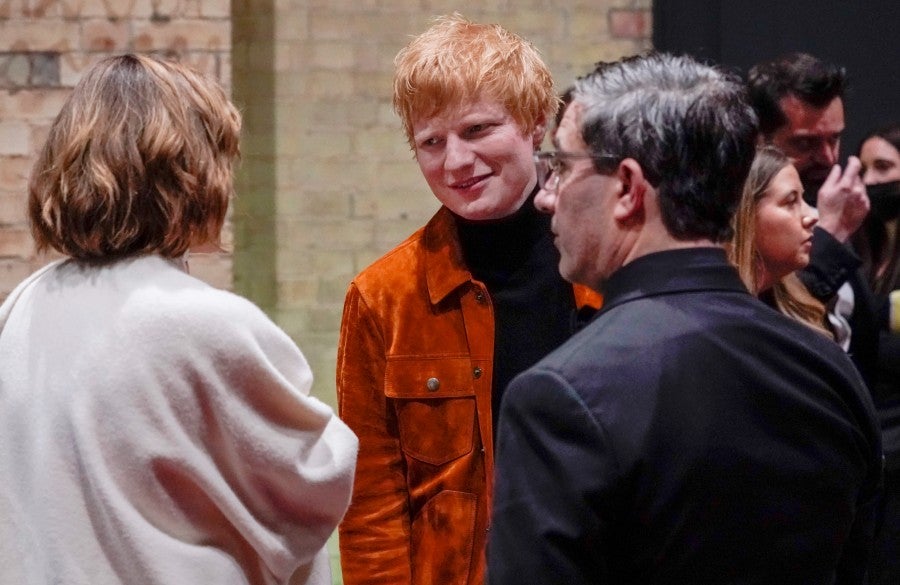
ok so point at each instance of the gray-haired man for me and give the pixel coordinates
(689, 433)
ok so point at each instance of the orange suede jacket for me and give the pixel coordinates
(414, 383)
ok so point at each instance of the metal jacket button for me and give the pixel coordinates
(433, 384)
(477, 373)
(479, 296)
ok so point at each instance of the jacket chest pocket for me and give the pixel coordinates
(435, 404)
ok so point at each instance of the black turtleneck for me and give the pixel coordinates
(516, 260)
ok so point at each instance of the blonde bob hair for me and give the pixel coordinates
(139, 160)
(457, 60)
(790, 295)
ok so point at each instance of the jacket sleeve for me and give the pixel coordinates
(247, 461)
(552, 462)
(830, 265)
(374, 536)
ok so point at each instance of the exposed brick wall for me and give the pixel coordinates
(45, 45)
(630, 24)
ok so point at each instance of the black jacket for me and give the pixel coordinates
(831, 264)
(688, 434)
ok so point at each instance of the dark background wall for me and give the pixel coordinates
(861, 35)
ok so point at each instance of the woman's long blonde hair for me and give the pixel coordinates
(791, 296)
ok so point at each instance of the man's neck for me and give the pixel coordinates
(651, 243)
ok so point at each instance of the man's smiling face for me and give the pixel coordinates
(477, 159)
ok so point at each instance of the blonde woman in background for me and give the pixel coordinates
(153, 429)
(773, 230)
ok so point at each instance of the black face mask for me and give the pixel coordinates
(885, 199)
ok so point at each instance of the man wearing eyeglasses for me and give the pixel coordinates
(688, 433)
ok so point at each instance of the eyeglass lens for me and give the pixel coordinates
(545, 171)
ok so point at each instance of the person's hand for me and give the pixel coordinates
(842, 202)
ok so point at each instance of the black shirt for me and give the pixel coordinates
(516, 260)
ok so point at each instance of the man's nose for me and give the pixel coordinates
(827, 153)
(545, 201)
(458, 153)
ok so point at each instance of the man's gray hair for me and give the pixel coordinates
(687, 124)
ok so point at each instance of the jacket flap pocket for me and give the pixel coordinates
(425, 378)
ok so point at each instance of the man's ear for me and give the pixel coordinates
(632, 189)
(540, 129)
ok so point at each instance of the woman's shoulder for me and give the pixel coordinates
(169, 302)
(192, 326)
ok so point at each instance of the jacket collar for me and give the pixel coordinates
(445, 270)
(669, 272)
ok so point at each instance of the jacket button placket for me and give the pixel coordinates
(479, 323)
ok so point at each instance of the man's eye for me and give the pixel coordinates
(804, 143)
(476, 129)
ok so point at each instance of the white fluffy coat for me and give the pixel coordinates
(155, 430)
